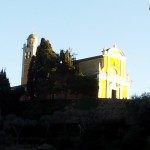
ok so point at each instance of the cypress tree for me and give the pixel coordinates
(67, 70)
(31, 82)
(4, 83)
(42, 70)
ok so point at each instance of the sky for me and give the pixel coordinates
(85, 26)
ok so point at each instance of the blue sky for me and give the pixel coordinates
(86, 26)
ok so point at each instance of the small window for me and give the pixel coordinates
(25, 56)
(29, 55)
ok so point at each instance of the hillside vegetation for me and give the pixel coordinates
(77, 124)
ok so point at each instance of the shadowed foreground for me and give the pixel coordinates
(85, 124)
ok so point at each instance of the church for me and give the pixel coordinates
(110, 72)
(109, 69)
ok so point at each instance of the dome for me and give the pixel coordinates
(32, 36)
(32, 40)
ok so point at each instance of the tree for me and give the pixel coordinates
(143, 96)
(41, 74)
(4, 83)
(66, 61)
(66, 70)
(84, 86)
(31, 83)
(50, 73)
(90, 87)
(14, 124)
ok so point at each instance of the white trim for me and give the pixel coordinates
(113, 78)
(110, 53)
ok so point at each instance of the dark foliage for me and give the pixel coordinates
(67, 124)
(51, 74)
(41, 75)
(31, 82)
(84, 86)
(4, 83)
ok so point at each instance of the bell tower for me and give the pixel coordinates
(29, 49)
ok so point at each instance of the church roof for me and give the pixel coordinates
(89, 58)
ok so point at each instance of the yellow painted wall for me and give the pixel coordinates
(123, 70)
(113, 62)
(124, 92)
(102, 89)
(105, 62)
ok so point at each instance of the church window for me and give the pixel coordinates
(28, 54)
(25, 56)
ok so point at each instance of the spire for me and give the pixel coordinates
(115, 45)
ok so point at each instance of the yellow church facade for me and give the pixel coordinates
(110, 71)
